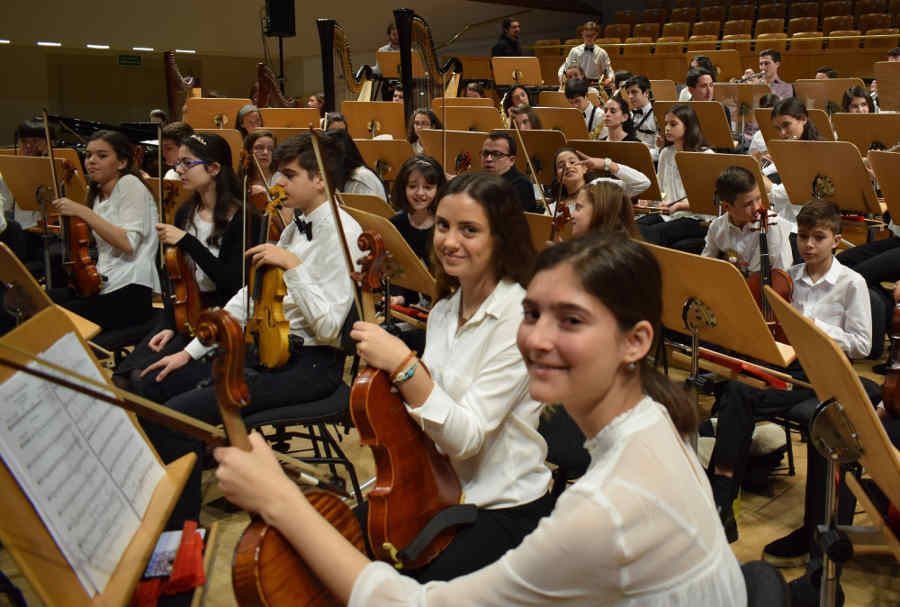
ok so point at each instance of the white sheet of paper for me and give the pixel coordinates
(86, 469)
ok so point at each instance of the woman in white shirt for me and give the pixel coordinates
(637, 529)
(357, 178)
(421, 119)
(121, 213)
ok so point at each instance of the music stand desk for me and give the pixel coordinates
(541, 145)
(888, 75)
(566, 119)
(233, 138)
(664, 90)
(201, 112)
(385, 156)
(712, 120)
(368, 203)
(25, 174)
(699, 172)
(863, 129)
(438, 103)
(516, 71)
(386, 116)
(471, 119)
(289, 117)
(887, 170)
(819, 93)
(463, 149)
(633, 154)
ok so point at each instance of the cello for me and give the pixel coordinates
(83, 275)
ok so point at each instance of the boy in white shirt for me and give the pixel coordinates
(837, 300)
(577, 95)
(735, 234)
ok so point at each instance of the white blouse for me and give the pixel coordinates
(364, 181)
(480, 412)
(131, 207)
(202, 230)
(670, 183)
(639, 529)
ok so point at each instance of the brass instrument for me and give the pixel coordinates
(415, 36)
(333, 43)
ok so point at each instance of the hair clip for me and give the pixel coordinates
(197, 137)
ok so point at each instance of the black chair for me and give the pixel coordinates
(766, 586)
(311, 421)
(118, 341)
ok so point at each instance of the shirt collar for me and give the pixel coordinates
(492, 306)
(830, 277)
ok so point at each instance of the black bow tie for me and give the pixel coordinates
(589, 49)
(638, 112)
(305, 227)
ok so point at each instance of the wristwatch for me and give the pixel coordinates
(606, 164)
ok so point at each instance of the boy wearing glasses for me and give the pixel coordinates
(498, 156)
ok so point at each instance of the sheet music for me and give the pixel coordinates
(84, 466)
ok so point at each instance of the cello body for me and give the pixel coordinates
(413, 481)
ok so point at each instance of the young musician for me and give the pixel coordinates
(634, 530)
(576, 93)
(260, 144)
(475, 90)
(697, 62)
(209, 229)
(525, 117)
(837, 300)
(677, 222)
(574, 72)
(769, 62)
(736, 231)
(120, 213)
(640, 99)
(422, 118)
(358, 178)
(603, 206)
(319, 297)
(248, 118)
(617, 119)
(516, 96)
(574, 169)
(498, 156)
(593, 60)
(857, 101)
(172, 136)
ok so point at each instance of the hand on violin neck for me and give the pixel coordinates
(377, 347)
(169, 234)
(65, 206)
(271, 255)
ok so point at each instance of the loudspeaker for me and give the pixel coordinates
(280, 18)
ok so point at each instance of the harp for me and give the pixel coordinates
(268, 92)
(178, 87)
(334, 46)
(415, 37)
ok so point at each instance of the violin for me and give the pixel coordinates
(273, 195)
(562, 216)
(891, 389)
(414, 482)
(776, 278)
(83, 275)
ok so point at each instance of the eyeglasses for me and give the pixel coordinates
(495, 154)
(185, 164)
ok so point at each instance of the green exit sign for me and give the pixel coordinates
(129, 59)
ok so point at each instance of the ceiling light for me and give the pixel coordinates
(99, 47)
(4, 41)
(49, 43)
(142, 48)
(185, 50)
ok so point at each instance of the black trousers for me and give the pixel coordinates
(126, 307)
(877, 261)
(483, 542)
(311, 374)
(657, 231)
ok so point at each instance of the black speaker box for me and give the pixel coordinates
(280, 19)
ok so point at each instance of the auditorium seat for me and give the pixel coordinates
(872, 21)
(769, 26)
(702, 42)
(731, 41)
(743, 2)
(743, 26)
(870, 6)
(617, 30)
(721, 3)
(686, 14)
(630, 17)
(676, 28)
(712, 13)
(738, 11)
(547, 48)
(834, 8)
(846, 42)
(605, 44)
(654, 15)
(805, 9)
(571, 43)
(806, 41)
(885, 43)
(643, 46)
(669, 49)
(802, 24)
(647, 30)
(686, 4)
(707, 28)
(837, 22)
(772, 11)
(774, 40)
(656, 4)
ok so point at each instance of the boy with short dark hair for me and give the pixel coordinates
(837, 300)
(735, 235)
(172, 134)
(577, 94)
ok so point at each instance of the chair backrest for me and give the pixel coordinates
(669, 49)
(806, 40)
(729, 42)
(804, 9)
(742, 26)
(628, 16)
(870, 6)
(773, 40)
(647, 30)
(769, 26)
(655, 4)
(686, 4)
(617, 30)
(643, 46)
(871, 21)
(772, 11)
(737, 11)
(844, 43)
(547, 48)
(837, 7)
(712, 13)
(881, 42)
(842, 22)
(802, 24)
(687, 13)
(703, 42)
(707, 28)
(654, 15)
(676, 28)
(605, 43)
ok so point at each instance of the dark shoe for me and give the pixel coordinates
(723, 489)
(790, 551)
(726, 515)
(805, 591)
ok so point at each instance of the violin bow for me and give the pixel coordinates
(528, 158)
(159, 191)
(55, 187)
